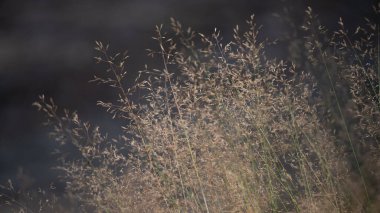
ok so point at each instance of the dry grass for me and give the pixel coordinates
(220, 127)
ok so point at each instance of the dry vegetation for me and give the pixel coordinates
(221, 127)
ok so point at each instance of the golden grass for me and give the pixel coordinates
(221, 127)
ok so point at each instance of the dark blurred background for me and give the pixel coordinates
(47, 47)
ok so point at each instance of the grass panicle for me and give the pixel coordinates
(222, 127)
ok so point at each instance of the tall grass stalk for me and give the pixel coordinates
(222, 127)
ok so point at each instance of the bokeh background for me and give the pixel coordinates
(47, 47)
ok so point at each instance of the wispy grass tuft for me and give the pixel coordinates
(222, 127)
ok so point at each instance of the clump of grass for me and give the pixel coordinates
(221, 127)
(350, 64)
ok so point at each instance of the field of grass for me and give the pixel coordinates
(221, 126)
